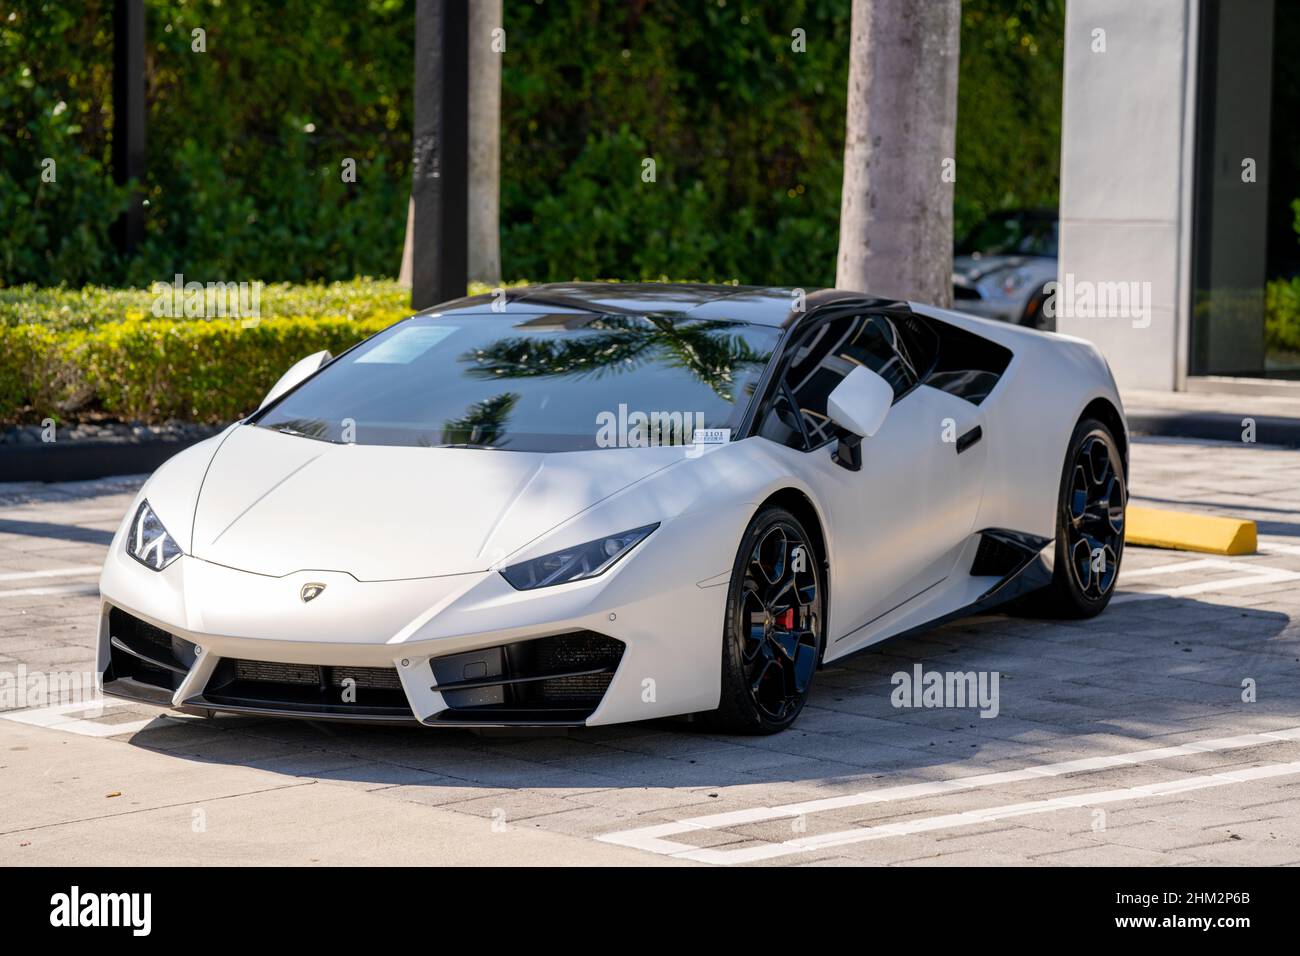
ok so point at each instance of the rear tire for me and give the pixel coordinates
(1091, 508)
(773, 631)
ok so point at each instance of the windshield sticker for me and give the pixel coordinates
(406, 345)
(711, 436)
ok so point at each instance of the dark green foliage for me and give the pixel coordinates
(747, 138)
(1008, 107)
(246, 140)
(55, 74)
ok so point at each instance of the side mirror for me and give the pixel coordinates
(298, 372)
(859, 405)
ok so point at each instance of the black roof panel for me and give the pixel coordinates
(754, 304)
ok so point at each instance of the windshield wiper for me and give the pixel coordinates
(286, 430)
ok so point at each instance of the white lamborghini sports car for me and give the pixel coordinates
(592, 503)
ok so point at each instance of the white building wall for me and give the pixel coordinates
(1126, 178)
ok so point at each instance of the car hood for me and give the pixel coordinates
(274, 504)
(972, 270)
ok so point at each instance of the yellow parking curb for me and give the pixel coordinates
(1185, 531)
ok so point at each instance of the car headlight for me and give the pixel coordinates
(577, 563)
(148, 541)
(1014, 281)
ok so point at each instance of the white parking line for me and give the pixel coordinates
(1204, 564)
(652, 838)
(67, 717)
(1272, 545)
(50, 573)
(51, 589)
(1252, 574)
(967, 818)
(1266, 576)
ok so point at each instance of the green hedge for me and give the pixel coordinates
(61, 308)
(1282, 315)
(35, 374)
(154, 370)
(77, 353)
(245, 140)
(84, 353)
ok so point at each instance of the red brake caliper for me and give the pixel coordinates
(785, 620)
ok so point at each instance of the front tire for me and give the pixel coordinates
(774, 626)
(1091, 510)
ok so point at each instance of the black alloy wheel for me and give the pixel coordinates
(1089, 545)
(773, 627)
(1094, 519)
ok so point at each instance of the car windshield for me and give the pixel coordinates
(1011, 235)
(558, 382)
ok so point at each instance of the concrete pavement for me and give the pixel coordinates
(1166, 731)
(1221, 416)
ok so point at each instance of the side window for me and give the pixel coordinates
(781, 423)
(876, 345)
(830, 352)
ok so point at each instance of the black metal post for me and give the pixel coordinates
(128, 117)
(440, 169)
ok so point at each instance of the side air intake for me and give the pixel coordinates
(1002, 553)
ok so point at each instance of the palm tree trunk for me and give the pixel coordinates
(899, 150)
(484, 142)
(484, 159)
(408, 246)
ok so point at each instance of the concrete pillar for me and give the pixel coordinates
(1126, 179)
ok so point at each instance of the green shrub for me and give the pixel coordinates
(72, 353)
(34, 371)
(1008, 107)
(246, 140)
(93, 305)
(55, 77)
(203, 371)
(1282, 315)
(244, 156)
(153, 370)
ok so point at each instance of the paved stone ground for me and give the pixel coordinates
(1205, 777)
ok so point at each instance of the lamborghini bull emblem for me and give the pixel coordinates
(310, 592)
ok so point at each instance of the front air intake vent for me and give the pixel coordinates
(145, 654)
(557, 679)
(343, 691)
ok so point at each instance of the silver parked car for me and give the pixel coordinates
(1000, 269)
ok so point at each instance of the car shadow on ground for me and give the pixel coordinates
(1144, 670)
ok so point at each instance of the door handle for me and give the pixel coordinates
(970, 438)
